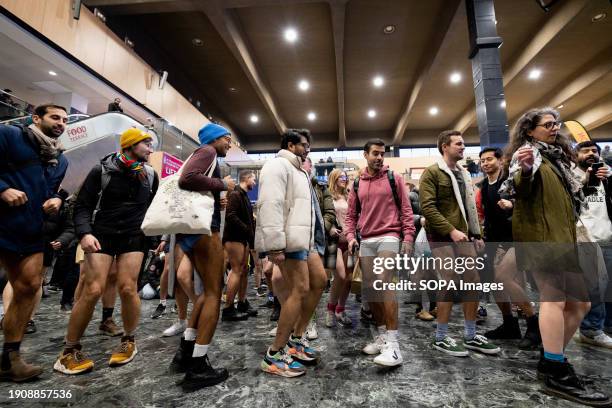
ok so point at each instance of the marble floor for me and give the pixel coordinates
(344, 377)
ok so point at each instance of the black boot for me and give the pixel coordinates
(180, 362)
(532, 337)
(561, 381)
(245, 307)
(201, 374)
(509, 329)
(230, 314)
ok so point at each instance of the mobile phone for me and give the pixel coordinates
(593, 180)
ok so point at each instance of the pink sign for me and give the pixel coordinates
(170, 165)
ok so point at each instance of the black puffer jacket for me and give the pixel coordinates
(124, 202)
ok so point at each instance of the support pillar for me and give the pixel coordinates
(487, 73)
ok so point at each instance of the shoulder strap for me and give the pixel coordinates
(356, 190)
(396, 198)
(104, 180)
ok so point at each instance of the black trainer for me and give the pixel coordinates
(230, 314)
(561, 381)
(245, 307)
(181, 358)
(159, 311)
(532, 337)
(30, 327)
(201, 374)
(275, 312)
(509, 329)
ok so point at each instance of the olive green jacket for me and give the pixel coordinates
(326, 203)
(441, 202)
(543, 211)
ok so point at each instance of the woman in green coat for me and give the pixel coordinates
(548, 198)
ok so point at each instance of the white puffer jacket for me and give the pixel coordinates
(285, 217)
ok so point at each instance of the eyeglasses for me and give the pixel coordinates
(550, 125)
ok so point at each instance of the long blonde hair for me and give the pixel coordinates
(335, 191)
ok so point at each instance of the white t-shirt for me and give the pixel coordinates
(596, 218)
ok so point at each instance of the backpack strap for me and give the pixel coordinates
(396, 198)
(104, 180)
(356, 190)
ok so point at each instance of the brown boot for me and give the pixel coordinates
(20, 370)
(110, 328)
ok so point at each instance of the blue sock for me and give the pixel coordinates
(554, 357)
(441, 331)
(470, 329)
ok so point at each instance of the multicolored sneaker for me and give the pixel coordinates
(282, 364)
(449, 346)
(299, 349)
(481, 344)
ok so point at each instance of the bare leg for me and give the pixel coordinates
(128, 268)
(317, 279)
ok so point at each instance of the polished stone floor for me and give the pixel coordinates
(344, 378)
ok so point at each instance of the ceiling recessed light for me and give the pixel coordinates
(371, 113)
(254, 118)
(455, 77)
(378, 81)
(598, 17)
(312, 116)
(389, 29)
(433, 111)
(179, 146)
(197, 42)
(304, 85)
(535, 74)
(291, 35)
(560, 106)
(52, 73)
(503, 104)
(233, 90)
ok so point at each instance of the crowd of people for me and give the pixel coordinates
(302, 237)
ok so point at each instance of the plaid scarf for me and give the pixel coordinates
(133, 167)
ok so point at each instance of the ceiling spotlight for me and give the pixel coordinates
(560, 106)
(371, 113)
(197, 42)
(598, 17)
(535, 74)
(503, 104)
(254, 118)
(455, 77)
(291, 35)
(52, 73)
(378, 81)
(433, 111)
(304, 85)
(233, 90)
(312, 116)
(389, 29)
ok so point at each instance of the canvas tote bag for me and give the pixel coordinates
(178, 211)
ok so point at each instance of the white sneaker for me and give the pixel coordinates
(601, 340)
(272, 332)
(329, 319)
(376, 346)
(390, 355)
(311, 330)
(176, 328)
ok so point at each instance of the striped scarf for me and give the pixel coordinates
(133, 167)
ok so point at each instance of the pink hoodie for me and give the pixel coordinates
(379, 214)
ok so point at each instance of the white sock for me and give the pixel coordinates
(382, 329)
(392, 336)
(190, 334)
(162, 302)
(200, 350)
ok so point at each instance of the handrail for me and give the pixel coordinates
(2, 92)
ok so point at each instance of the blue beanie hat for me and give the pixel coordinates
(211, 132)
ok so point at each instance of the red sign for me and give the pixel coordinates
(170, 165)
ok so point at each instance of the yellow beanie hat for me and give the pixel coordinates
(132, 136)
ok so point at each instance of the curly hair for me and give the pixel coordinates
(527, 122)
(335, 191)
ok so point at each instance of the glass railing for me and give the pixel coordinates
(173, 140)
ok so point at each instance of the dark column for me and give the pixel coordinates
(395, 152)
(487, 73)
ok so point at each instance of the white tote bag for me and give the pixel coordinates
(178, 211)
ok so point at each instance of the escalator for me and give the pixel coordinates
(89, 139)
